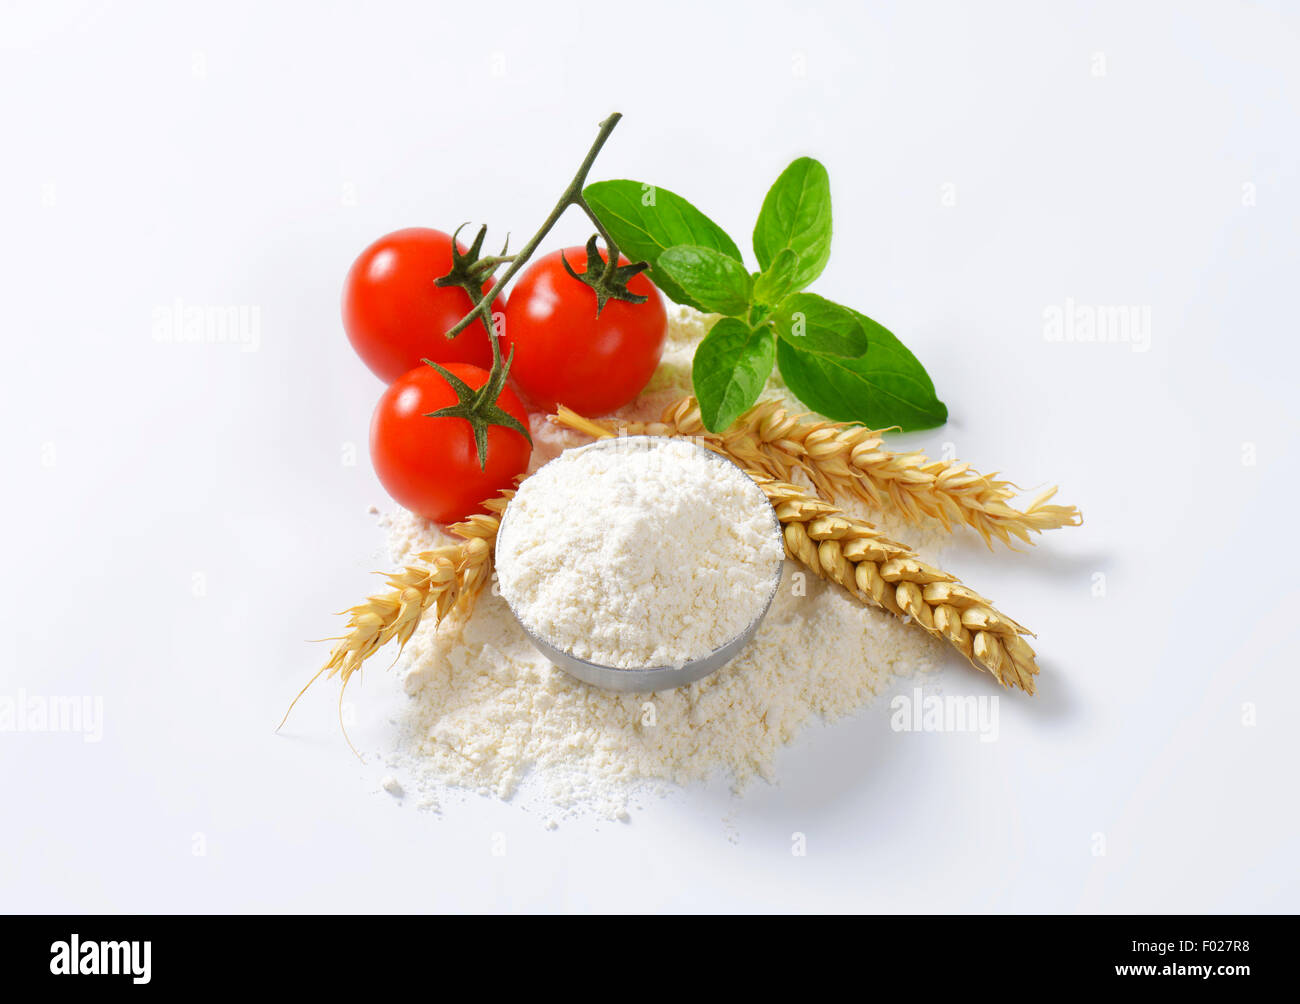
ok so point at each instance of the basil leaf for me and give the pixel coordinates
(796, 214)
(814, 324)
(731, 366)
(776, 281)
(645, 221)
(885, 387)
(714, 281)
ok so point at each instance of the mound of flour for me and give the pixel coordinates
(638, 552)
(490, 714)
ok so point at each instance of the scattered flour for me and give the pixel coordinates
(490, 714)
(638, 552)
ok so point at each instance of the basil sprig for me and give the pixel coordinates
(837, 361)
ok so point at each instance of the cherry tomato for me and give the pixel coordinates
(430, 465)
(395, 315)
(565, 354)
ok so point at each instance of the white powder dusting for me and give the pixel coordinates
(490, 714)
(638, 552)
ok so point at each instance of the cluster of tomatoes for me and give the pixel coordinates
(565, 352)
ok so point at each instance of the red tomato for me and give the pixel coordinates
(430, 465)
(565, 354)
(394, 314)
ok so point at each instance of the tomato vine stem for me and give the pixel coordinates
(572, 196)
(469, 271)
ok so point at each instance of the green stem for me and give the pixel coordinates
(572, 197)
(612, 263)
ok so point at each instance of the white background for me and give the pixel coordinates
(179, 517)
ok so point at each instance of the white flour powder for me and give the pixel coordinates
(489, 713)
(638, 552)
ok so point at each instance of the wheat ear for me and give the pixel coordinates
(854, 554)
(851, 461)
(447, 581)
